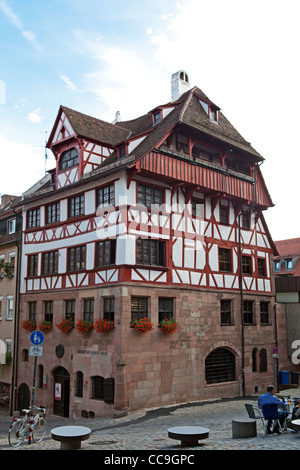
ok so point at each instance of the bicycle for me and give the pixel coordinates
(25, 428)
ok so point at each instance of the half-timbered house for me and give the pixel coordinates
(159, 217)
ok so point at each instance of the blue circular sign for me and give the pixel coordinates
(37, 337)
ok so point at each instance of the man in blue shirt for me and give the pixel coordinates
(269, 399)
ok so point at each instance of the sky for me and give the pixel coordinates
(103, 56)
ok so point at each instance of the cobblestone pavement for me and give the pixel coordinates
(147, 429)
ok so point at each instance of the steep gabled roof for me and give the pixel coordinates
(187, 111)
(91, 128)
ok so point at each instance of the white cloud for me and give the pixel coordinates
(19, 105)
(21, 166)
(69, 84)
(16, 21)
(35, 116)
(123, 78)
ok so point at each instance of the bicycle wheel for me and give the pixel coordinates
(39, 429)
(17, 433)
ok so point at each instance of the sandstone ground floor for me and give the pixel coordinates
(220, 348)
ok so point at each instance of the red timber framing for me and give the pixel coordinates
(191, 241)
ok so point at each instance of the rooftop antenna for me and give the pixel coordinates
(46, 155)
(45, 147)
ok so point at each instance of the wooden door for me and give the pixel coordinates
(61, 392)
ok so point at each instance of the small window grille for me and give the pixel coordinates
(220, 366)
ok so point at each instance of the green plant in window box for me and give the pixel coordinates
(8, 270)
(85, 327)
(168, 325)
(104, 326)
(29, 325)
(66, 325)
(45, 326)
(142, 325)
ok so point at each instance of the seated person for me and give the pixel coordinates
(269, 399)
(296, 410)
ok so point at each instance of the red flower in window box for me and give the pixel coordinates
(104, 326)
(45, 326)
(66, 325)
(168, 326)
(142, 325)
(85, 327)
(29, 325)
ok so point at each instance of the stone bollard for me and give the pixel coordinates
(243, 427)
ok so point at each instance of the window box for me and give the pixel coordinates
(45, 326)
(85, 327)
(29, 325)
(168, 326)
(66, 325)
(142, 325)
(104, 326)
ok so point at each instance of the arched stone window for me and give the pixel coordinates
(220, 366)
(79, 384)
(263, 360)
(254, 359)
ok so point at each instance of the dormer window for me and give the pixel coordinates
(68, 159)
(211, 111)
(156, 117)
(289, 264)
(277, 266)
(122, 151)
(213, 115)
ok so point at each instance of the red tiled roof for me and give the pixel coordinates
(92, 128)
(288, 248)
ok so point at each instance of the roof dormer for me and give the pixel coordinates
(211, 110)
(156, 116)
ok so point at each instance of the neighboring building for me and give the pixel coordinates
(160, 216)
(10, 242)
(287, 284)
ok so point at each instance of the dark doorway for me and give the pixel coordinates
(23, 397)
(61, 392)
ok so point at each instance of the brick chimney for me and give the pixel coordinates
(5, 199)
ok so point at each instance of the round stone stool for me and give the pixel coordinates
(70, 437)
(188, 435)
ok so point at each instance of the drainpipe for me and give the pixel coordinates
(276, 344)
(14, 386)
